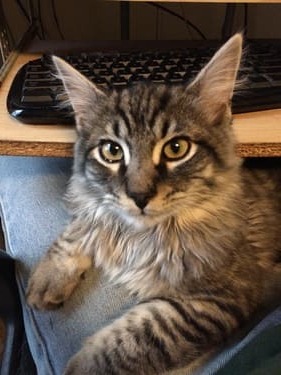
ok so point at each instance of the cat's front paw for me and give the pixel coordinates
(84, 363)
(51, 284)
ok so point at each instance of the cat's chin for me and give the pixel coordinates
(140, 219)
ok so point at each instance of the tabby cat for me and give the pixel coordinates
(162, 203)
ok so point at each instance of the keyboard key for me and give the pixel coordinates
(39, 76)
(37, 69)
(61, 97)
(45, 84)
(37, 99)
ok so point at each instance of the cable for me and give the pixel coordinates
(54, 9)
(23, 10)
(186, 24)
(186, 21)
(43, 35)
(157, 24)
(6, 27)
(31, 18)
(228, 22)
(125, 20)
(246, 8)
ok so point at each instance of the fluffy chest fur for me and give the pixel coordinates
(237, 224)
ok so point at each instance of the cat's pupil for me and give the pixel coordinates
(113, 149)
(175, 147)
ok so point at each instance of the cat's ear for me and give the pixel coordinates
(215, 83)
(82, 93)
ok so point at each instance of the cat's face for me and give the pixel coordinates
(151, 151)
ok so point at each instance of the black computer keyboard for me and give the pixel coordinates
(36, 94)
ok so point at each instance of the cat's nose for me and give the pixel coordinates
(141, 199)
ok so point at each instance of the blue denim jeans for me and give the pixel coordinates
(33, 214)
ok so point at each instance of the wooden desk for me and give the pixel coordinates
(258, 133)
(20, 139)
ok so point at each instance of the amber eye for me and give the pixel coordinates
(176, 149)
(111, 152)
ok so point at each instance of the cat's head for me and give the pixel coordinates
(148, 151)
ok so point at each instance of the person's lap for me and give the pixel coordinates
(33, 214)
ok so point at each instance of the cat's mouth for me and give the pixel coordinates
(153, 212)
(144, 216)
(146, 211)
(141, 213)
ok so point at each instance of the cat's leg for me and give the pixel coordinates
(60, 270)
(156, 336)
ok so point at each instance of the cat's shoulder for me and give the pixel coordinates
(263, 175)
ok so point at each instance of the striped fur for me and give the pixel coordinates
(196, 237)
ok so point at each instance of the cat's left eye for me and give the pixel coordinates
(176, 149)
(111, 152)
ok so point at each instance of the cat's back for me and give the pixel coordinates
(261, 183)
(262, 180)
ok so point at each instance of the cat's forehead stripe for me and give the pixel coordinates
(126, 120)
(159, 105)
(165, 128)
(116, 129)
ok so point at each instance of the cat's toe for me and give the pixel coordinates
(49, 287)
(42, 295)
(41, 299)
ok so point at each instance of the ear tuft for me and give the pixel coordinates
(216, 81)
(82, 93)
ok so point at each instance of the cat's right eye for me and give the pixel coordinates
(111, 152)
